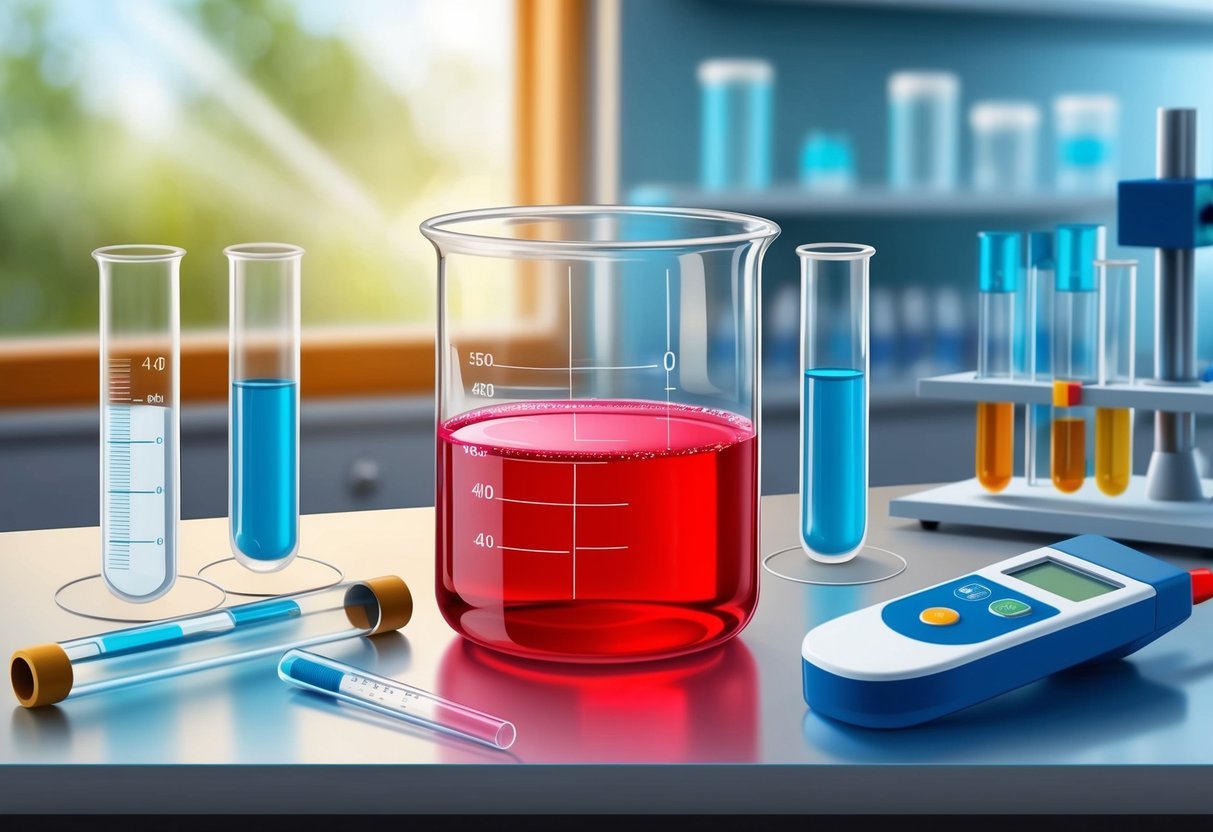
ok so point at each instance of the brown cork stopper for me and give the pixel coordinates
(381, 604)
(41, 675)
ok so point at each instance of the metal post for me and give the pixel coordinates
(1174, 472)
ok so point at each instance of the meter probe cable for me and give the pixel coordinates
(1202, 585)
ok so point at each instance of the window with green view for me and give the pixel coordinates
(337, 126)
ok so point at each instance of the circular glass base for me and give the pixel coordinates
(872, 564)
(91, 598)
(300, 575)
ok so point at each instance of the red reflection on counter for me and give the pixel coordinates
(701, 708)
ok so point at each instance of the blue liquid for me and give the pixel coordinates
(833, 510)
(265, 508)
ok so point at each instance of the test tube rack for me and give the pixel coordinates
(1171, 503)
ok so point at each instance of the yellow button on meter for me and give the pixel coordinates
(939, 616)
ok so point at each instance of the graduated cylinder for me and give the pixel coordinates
(49, 673)
(834, 406)
(998, 282)
(263, 414)
(140, 339)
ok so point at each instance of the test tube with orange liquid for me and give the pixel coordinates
(998, 281)
(1075, 319)
(1117, 353)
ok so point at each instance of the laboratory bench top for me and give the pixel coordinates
(722, 731)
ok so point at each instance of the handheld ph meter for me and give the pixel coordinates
(929, 653)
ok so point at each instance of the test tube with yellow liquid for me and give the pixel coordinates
(1117, 351)
(998, 282)
(1074, 337)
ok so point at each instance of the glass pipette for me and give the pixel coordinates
(395, 699)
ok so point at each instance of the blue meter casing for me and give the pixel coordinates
(929, 653)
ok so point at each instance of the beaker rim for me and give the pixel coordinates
(138, 253)
(439, 229)
(264, 251)
(835, 251)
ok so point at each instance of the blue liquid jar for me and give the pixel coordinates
(923, 130)
(1086, 128)
(736, 112)
(263, 426)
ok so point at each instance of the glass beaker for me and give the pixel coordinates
(140, 346)
(597, 450)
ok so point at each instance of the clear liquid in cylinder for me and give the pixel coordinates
(597, 531)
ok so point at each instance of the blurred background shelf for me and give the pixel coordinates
(1169, 11)
(795, 201)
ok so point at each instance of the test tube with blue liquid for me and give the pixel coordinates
(834, 405)
(833, 517)
(263, 429)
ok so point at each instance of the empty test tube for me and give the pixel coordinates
(49, 673)
(998, 281)
(1038, 331)
(1117, 353)
(392, 698)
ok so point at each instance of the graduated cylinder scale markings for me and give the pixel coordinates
(139, 358)
(138, 510)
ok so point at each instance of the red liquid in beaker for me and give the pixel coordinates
(597, 530)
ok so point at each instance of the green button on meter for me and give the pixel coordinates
(1010, 608)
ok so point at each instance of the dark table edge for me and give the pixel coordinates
(602, 789)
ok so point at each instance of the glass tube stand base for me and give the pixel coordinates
(1132, 516)
(303, 574)
(90, 597)
(871, 565)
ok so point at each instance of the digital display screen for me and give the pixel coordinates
(1052, 576)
